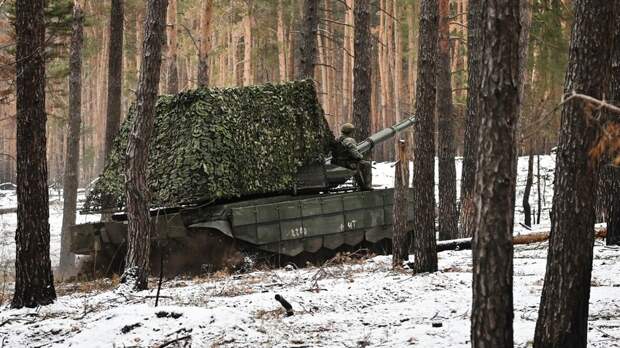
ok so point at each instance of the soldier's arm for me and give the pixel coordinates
(351, 146)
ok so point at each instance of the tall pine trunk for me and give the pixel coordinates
(172, 86)
(362, 86)
(248, 70)
(563, 313)
(492, 304)
(400, 209)
(206, 18)
(527, 210)
(71, 176)
(139, 224)
(472, 119)
(448, 215)
(424, 242)
(308, 46)
(115, 74)
(613, 207)
(34, 281)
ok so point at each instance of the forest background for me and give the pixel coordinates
(253, 42)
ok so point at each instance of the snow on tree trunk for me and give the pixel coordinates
(563, 313)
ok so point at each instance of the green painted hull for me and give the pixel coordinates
(286, 225)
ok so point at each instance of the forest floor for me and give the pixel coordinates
(347, 302)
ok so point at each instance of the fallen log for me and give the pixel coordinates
(537, 237)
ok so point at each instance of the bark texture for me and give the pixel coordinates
(115, 74)
(34, 281)
(308, 46)
(613, 204)
(424, 243)
(70, 184)
(448, 215)
(206, 20)
(172, 86)
(563, 313)
(472, 119)
(400, 240)
(492, 305)
(362, 86)
(527, 210)
(139, 222)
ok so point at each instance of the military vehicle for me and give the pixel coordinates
(322, 214)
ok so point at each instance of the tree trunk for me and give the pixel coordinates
(527, 210)
(613, 207)
(412, 55)
(347, 60)
(308, 46)
(248, 71)
(400, 209)
(362, 87)
(283, 74)
(448, 214)
(424, 243)
(563, 314)
(115, 74)
(172, 86)
(139, 224)
(472, 119)
(34, 281)
(492, 305)
(206, 17)
(71, 176)
(538, 192)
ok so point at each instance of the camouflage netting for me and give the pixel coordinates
(211, 144)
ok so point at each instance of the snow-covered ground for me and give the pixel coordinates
(8, 224)
(352, 304)
(345, 303)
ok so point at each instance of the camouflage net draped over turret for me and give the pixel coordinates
(211, 144)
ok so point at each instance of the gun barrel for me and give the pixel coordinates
(385, 134)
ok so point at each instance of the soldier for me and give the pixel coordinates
(345, 154)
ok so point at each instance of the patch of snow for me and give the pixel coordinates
(348, 305)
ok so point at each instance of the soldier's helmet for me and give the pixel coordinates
(347, 129)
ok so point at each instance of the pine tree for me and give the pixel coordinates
(139, 225)
(563, 313)
(73, 138)
(362, 86)
(34, 281)
(448, 214)
(424, 243)
(115, 74)
(472, 119)
(492, 305)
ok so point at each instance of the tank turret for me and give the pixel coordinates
(320, 177)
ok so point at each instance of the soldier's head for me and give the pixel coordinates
(347, 129)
